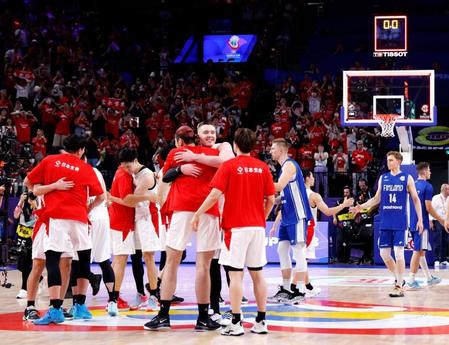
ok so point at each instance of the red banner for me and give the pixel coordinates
(114, 103)
(28, 75)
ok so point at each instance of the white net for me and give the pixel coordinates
(386, 122)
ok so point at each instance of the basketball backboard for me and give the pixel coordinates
(407, 93)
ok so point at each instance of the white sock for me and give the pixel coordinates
(301, 286)
(424, 267)
(400, 279)
(411, 277)
(286, 284)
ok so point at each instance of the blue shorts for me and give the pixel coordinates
(392, 238)
(421, 241)
(294, 233)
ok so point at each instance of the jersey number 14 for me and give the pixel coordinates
(392, 197)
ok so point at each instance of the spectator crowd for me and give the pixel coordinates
(57, 80)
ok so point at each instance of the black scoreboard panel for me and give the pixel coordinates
(390, 33)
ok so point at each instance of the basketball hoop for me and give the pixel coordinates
(386, 122)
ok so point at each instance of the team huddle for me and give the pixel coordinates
(203, 190)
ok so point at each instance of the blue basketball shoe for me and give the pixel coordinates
(81, 312)
(53, 315)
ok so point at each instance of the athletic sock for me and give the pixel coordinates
(202, 311)
(165, 308)
(56, 303)
(81, 299)
(116, 295)
(424, 267)
(400, 279)
(111, 296)
(236, 318)
(153, 292)
(260, 316)
(301, 287)
(74, 299)
(286, 284)
(411, 277)
(215, 306)
(309, 286)
(30, 303)
(293, 288)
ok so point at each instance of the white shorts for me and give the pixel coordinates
(311, 249)
(162, 235)
(217, 252)
(246, 248)
(120, 246)
(38, 251)
(145, 237)
(180, 232)
(67, 235)
(101, 240)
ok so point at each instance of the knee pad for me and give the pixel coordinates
(136, 258)
(108, 272)
(74, 273)
(84, 264)
(284, 255)
(385, 254)
(399, 253)
(52, 263)
(299, 254)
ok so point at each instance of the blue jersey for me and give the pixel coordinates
(393, 201)
(295, 203)
(425, 192)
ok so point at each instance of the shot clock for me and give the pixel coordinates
(390, 36)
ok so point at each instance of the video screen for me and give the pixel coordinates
(228, 48)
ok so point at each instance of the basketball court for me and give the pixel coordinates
(353, 307)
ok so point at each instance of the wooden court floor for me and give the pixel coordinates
(353, 308)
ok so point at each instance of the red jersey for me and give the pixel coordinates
(306, 156)
(154, 216)
(152, 125)
(244, 181)
(292, 153)
(47, 114)
(39, 145)
(168, 129)
(340, 162)
(317, 135)
(66, 204)
(63, 126)
(112, 124)
(23, 127)
(187, 193)
(278, 130)
(121, 217)
(360, 159)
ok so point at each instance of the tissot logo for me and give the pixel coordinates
(433, 136)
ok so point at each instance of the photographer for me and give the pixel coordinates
(24, 212)
(2, 193)
(344, 222)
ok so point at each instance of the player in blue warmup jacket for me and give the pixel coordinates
(392, 196)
